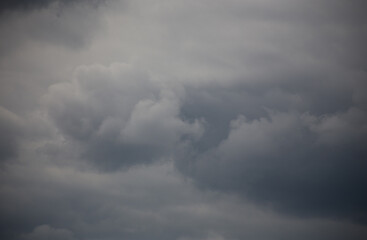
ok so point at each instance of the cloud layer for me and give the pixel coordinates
(187, 120)
(25, 5)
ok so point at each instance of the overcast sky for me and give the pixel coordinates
(183, 120)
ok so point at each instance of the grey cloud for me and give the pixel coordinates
(10, 130)
(147, 202)
(11, 5)
(119, 115)
(71, 26)
(298, 164)
(24, 4)
(275, 67)
(44, 232)
(260, 104)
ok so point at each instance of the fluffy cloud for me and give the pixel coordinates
(119, 115)
(183, 120)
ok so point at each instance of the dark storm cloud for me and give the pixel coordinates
(290, 135)
(11, 5)
(187, 120)
(293, 163)
(24, 4)
(44, 232)
(68, 25)
(289, 131)
(147, 202)
(10, 131)
(284, 114)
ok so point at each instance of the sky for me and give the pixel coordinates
(183, 120)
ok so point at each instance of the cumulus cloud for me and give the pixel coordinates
(119, 115)
(183, 120)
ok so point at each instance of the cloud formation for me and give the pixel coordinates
(188, 120)
(119, 115)
(299, 164)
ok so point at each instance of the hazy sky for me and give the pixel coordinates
(183, 120)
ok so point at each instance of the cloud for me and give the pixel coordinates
(70, 25)
(44, 232)
(295, 163)
(183, 120)
(146, 202)
(119, 115)
(24, 5)
(10, 131)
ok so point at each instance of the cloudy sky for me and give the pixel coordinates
(183, 120)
